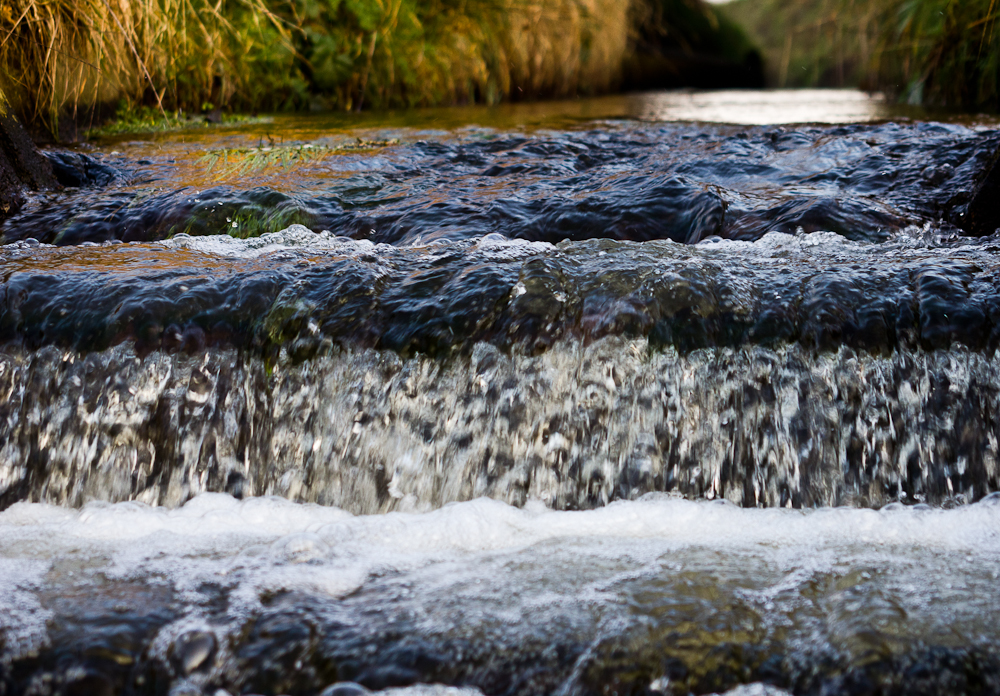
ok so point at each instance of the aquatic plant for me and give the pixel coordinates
(933, 52)
(245, 160)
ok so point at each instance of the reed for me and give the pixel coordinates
(60, 57)
(931, 52)
(64, 55)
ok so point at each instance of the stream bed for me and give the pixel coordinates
(655, 394)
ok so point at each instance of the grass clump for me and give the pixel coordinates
(58, 57)
(930, 52)
(62, 57)
(147, 119)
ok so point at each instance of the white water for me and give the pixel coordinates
(485, 561)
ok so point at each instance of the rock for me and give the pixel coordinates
(983, 215)
(21, 165)
(76, 170)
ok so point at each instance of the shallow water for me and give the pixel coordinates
(657, 595)
(496, 414)
(635, 174)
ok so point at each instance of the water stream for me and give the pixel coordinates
(664, 393)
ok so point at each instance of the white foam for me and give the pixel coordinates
(22, 618)
(266, 544)
(289, 533)
(301, 238)
(295, 237)
(431, 690)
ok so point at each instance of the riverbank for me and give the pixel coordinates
(74, 61)
(924, 52)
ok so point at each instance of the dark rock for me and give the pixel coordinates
(983, 215)
(76, 170)
(21, 165)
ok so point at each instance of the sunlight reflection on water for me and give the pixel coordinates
(756, 107)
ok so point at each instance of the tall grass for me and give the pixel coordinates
(944, 52)
(67, 54)
(933, 52)
(64, 56)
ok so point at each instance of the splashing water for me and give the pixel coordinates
(616, 406)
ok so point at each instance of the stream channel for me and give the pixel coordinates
(652, 394)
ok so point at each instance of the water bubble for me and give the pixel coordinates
(345, 689)
(300, 548)
(991, 500)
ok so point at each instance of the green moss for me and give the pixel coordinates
(130, 118)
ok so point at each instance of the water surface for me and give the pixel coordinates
(663, 393)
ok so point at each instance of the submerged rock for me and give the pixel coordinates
(627, 181)
(298, 293)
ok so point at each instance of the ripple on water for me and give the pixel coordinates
(621, 180)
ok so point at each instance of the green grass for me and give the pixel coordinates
(60, 58)
(930, 52)
(147, 119)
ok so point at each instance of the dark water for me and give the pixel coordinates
(619, 180)
(485, 400)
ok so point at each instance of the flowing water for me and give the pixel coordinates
(665, 393)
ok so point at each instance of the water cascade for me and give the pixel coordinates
(590, 407)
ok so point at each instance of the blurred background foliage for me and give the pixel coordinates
(928, 52)
(60, 58)
(67, 60)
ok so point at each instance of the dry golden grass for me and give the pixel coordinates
(60, 57)
(564, 47)
(63, 55)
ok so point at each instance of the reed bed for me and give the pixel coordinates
(60, 57)
(929, 52)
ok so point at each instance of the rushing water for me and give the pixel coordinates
(484, 400)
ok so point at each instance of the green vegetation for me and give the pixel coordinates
(64, 58)
(59, 57)
(147, 119)
(933, 52)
